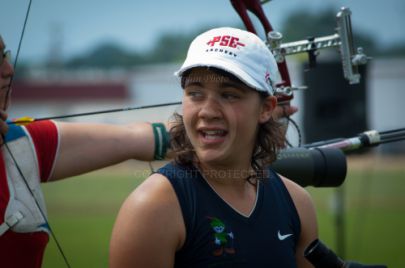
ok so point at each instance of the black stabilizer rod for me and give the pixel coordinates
(319, 167)
(368, 138)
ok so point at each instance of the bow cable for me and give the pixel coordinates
(11, 154)
(18, 53)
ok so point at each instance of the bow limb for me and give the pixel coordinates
(283, 90)
(255, 6)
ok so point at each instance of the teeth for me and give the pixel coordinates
(213, 134)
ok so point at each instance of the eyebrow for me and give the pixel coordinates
(190, 82)
(237, 85)
(229, 83)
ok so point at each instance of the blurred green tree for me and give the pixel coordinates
(172, 46)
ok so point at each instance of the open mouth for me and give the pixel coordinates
(213, 134)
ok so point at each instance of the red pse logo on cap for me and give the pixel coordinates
(226, 41)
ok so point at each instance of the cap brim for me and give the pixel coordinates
(225, 66)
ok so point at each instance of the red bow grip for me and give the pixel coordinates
(254, 6)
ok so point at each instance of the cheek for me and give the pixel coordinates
(188, 116)
(248, 115)
(186, 111)
(246, 122)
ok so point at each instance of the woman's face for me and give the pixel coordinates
(221, 118)
(6, 72)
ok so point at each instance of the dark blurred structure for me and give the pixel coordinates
(73, 91)
(44, 96)
(333, 107)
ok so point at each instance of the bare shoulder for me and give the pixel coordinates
(307, 214)
(300, 196)
(155, 197)
(302, 201)
(149, 221)
(154, 184)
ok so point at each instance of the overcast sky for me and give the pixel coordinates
(80, 24)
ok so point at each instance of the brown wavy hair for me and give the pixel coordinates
(270, 136)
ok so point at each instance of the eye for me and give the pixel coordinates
(5, 56)
(229, 96)
(193, 92)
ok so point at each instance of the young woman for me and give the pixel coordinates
(218, 204)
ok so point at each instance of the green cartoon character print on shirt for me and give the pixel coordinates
(223, 238)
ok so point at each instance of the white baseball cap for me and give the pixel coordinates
(238, 52)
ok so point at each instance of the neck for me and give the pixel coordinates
(232, 186)
(226, 175)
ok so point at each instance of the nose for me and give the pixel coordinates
(211, 109)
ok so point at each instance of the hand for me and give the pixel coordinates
(281, 114)
(284, 110)
(3, 125)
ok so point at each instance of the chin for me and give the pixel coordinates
(212, 158)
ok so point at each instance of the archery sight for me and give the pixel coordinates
(343, 39)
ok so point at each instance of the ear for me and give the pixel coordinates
(268, 106)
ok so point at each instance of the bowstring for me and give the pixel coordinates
(38, 206)
(10, 152)
(294, 124)
(18, 53)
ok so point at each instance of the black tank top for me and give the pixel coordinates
(218, 236)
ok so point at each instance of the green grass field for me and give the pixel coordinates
(82, 211)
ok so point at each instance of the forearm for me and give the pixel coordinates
(86, 147)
